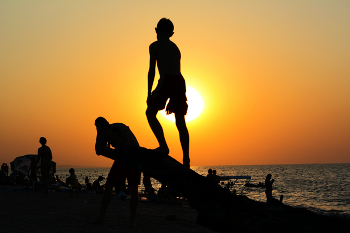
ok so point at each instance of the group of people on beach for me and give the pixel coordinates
(165, 55)
(45, 159)
(213, 176)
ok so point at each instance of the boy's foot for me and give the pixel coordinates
(186, 163)
(161, 150)
(99, 220)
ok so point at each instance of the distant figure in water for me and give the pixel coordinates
(210, 173)
(45, 156)
(268, 185)
(268, 191)
(211, 176)
(216, 178)
(73, 181)
(171, 84)
(117, 134)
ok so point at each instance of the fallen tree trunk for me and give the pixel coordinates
(217, 208)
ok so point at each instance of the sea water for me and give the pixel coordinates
(321, 188)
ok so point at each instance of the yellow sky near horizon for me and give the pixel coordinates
(274, 77)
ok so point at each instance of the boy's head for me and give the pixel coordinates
(165, 26)
(268, 176)
(42, 140)
(71, 171)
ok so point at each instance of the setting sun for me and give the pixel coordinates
(195, 105)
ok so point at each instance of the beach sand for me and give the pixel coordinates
(61, 212)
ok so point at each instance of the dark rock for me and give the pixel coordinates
(217, 208)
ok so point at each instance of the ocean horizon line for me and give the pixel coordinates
(88, 166)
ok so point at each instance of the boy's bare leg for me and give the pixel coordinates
(157, 129)
(45, 176)
(104, 203)
(184, 138)
(134, 201)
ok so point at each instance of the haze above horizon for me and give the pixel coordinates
(274, 77)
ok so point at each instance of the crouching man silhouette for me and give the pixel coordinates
(116, 134)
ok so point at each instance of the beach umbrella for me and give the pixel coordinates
(21, 164)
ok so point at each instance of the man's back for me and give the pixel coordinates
(168, 56)
(45, 154)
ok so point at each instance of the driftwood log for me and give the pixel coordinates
(217, 208)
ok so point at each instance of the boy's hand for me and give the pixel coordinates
(149, 100)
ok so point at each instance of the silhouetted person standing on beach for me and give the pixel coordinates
(171, 84)
(268, 185)
(45, 155)
(268, 192)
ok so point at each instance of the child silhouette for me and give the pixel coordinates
(171, 85)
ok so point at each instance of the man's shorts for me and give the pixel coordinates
(119, 172)
(170, 86)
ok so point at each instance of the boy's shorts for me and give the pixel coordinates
(119, 172)
(171, 86)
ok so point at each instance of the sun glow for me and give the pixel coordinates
(195, 105)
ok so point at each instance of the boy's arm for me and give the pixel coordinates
(152, 69)
(50, 153)
(39, 155)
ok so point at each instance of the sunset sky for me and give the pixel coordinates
(274, 76)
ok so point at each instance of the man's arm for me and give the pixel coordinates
(108, 136)
(100, 144)
(152, 68)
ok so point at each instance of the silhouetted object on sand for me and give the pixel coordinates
(5, 168)
(171, 85)
(73, 182)
(20, 166)
(32, 174)
(96, 184)
(268, 192)
(112, 135)
(217, 208)
(45, 156)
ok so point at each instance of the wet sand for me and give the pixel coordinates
(61, 212)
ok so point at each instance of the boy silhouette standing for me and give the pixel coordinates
(171, 85)
(45, 156)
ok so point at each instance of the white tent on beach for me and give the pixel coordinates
(21, 164)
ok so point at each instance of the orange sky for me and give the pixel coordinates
(274, 76)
